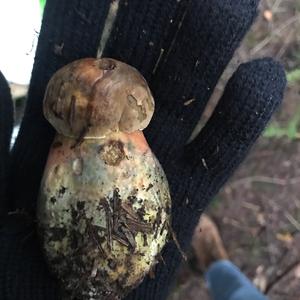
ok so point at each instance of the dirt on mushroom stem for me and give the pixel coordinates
(103, 212)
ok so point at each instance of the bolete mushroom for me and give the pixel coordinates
(104, 203)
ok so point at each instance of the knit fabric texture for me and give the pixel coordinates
(6, 124)
(181, 48)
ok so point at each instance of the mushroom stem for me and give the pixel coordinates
(109, 148)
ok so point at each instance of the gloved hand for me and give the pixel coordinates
(182, 48)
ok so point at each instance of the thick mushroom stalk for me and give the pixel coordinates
(104, 203)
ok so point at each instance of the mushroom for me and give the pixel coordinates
(104, 203)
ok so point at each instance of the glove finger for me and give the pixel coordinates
(250, 98)
(210, 33)
(6, 125)
(142, 29)
(70, 30)
(24, 273)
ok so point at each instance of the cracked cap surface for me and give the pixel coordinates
(91, 98)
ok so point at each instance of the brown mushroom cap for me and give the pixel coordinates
(91, 98)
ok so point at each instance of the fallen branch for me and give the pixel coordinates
(264, 179)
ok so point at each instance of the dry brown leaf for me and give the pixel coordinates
(285, 237)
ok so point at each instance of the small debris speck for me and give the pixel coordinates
(77, 166)
(188, 102)
(58, 49)
(204, 163)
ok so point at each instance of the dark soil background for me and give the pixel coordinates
(258, 211)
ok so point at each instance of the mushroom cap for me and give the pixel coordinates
(91, 98)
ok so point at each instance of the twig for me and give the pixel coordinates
(275, 6)
(175, 240)
(251, 206)
(158, 60)
(292, 220)
(281, 275)
(265, 179)
(177, 31)
(110, 20)
(285, 45)
(276, 32)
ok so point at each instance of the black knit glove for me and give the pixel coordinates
(182, 48)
